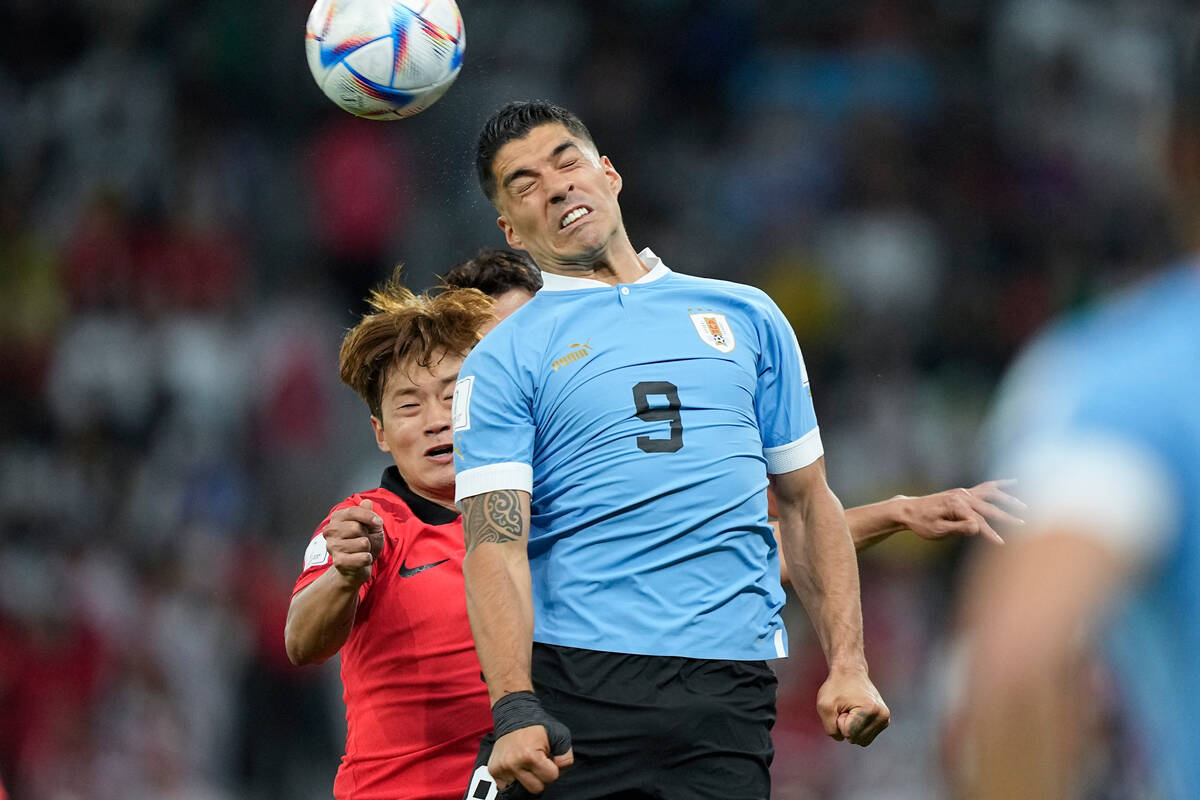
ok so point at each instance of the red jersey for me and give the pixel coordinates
(415, 703)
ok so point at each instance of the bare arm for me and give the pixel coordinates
(954, 512)
(962, 512)
(500, 606)
(1025, 717)
(320, 618)
(824, 574)
(321, 615)
(499, 599)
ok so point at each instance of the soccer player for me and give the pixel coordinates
(1100, 419)
(382, 358)
(506, 277)
(636, 592)
(382, 579)
(511, 280)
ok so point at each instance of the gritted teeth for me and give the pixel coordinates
(572, 215)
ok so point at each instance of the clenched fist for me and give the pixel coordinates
(354, 539)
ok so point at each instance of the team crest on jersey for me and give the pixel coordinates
(714, 331)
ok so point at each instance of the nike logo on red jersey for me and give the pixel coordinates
(406, 572)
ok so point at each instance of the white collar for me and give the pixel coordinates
(552, 282)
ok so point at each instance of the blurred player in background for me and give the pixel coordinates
(637, 407)
(1100, 419)
(382, 579)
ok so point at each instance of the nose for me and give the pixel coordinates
(559, 192)
(438, 419)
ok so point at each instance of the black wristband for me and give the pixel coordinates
(523, 710)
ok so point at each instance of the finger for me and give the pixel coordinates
(352, 560)
(868, 733)
(971, 524)
(363, 516)
(861, 726)
(994, 513)
(988, 532)
(829, 721)
(564, 760)
(530, 781)
(545, 770)
(357, 544)
(994, 491)
(874, 727)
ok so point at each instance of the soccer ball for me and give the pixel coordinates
(384, 59)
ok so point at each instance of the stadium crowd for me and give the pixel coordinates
(187, 227)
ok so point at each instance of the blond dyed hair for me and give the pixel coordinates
(406, 329)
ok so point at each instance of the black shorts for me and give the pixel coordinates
(653, 726)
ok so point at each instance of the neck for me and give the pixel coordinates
(444, 500)
(616, 263)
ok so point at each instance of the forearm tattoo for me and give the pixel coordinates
(492, 517)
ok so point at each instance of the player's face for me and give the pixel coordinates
(503, 305)
(415, 425)
(557, 198)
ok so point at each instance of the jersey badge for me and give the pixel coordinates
(460, 406)
(576, 352)
(714, 331)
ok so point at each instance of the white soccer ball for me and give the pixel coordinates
(384, 59)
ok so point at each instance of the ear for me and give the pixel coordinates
(510, 233)
(377, 425)
(614, 177)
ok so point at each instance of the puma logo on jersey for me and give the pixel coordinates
(577, 352)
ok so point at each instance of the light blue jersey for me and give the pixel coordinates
(1102, 422)
(643, 419)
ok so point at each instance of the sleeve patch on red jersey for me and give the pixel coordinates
(316, 554)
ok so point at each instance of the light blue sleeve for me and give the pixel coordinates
(783, 401)
(493, 424)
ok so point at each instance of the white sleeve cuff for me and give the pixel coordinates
(794, 455)
(1116, 491)
(492, 478)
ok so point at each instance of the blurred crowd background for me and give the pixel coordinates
(187, 227)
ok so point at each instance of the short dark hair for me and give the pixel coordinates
(494, 272)
(514, 121)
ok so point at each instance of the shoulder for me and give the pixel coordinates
(737, 291)
(1136, 341)
(739, 299)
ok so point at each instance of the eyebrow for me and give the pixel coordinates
(410, 391)
(525, 172)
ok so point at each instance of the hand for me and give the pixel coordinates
(524, 756)
(965, 512)
(850, 707)
(354, 539)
